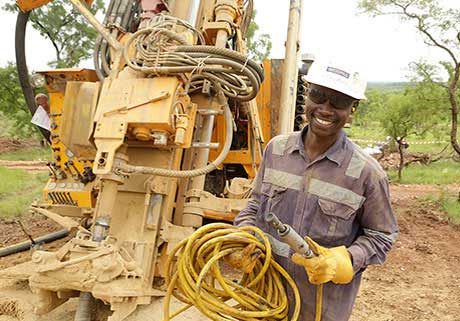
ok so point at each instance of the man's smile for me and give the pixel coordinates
(323, 122)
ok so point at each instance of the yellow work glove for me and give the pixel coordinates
(245, 259)
(332, 264)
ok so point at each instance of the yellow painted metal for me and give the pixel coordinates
(265, 111)
(27, 5)
(66, 189)
(69, 192)
(263, 103)
(77, 117)
(108, 137)
(185, 124)
(144, 94)
(57, 79)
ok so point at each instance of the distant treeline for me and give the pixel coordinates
(390, 86)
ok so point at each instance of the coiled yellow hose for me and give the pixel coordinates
(196, 278)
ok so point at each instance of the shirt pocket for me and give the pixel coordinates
(336, 221)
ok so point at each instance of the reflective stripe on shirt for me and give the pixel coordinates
(283, 179)
(279, 144)
(335, 193)
(356, 165)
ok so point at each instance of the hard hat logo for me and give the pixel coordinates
(337, 77)
(338, 72)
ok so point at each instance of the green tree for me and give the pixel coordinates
(366, 111)
(441, 29)
(406, 114)
(70, 34)
(259, 45)
(12, 104)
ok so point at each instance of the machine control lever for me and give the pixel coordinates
(288, 235)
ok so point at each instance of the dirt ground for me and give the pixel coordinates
(419, 281)
(30, 166)
(10, 145)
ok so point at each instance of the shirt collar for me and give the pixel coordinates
(335, 153)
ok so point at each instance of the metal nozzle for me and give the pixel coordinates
(275, 222)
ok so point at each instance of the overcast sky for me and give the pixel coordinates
(381, 48)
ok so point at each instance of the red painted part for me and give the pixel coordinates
(152, 7)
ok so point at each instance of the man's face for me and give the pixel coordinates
(327, 110)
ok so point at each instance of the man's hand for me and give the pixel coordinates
(332, 264)
(244, 260)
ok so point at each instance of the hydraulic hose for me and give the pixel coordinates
(21, 65)
(128, 169)
(24, 246)
(200, 280)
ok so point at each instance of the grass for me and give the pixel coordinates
(371, 132)
(34, 153)
(452, 207)
(448, 204)
(18, 189)
(442, 172)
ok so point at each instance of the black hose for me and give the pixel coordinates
(24, 246)
(21, 65)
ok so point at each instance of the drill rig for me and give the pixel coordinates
(163, 136)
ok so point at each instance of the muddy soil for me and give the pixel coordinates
(34, 226)
(419, 281)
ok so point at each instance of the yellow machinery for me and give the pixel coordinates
(165, 135)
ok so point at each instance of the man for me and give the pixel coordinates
(41, 115)
(328, 190)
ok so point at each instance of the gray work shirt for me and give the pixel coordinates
(340, 198)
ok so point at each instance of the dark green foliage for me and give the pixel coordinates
(70, 34)
(13, 106)
(259, 46)
(72, 38)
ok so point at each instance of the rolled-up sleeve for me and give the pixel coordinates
(247, 216)
(379, 227)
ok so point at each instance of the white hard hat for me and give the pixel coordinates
(337, 77)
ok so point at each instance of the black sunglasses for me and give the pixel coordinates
(339, 101)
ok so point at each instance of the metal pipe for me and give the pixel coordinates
(221, 38)
(301, 99)
(300, 119)
(106, 199)
(185, 10)
(85, 307)
(300, 109)
(24, 246)
(290, 69)
(301, 88)
(205, 145)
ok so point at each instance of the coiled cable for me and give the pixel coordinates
(199, 280)
(160, 51)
